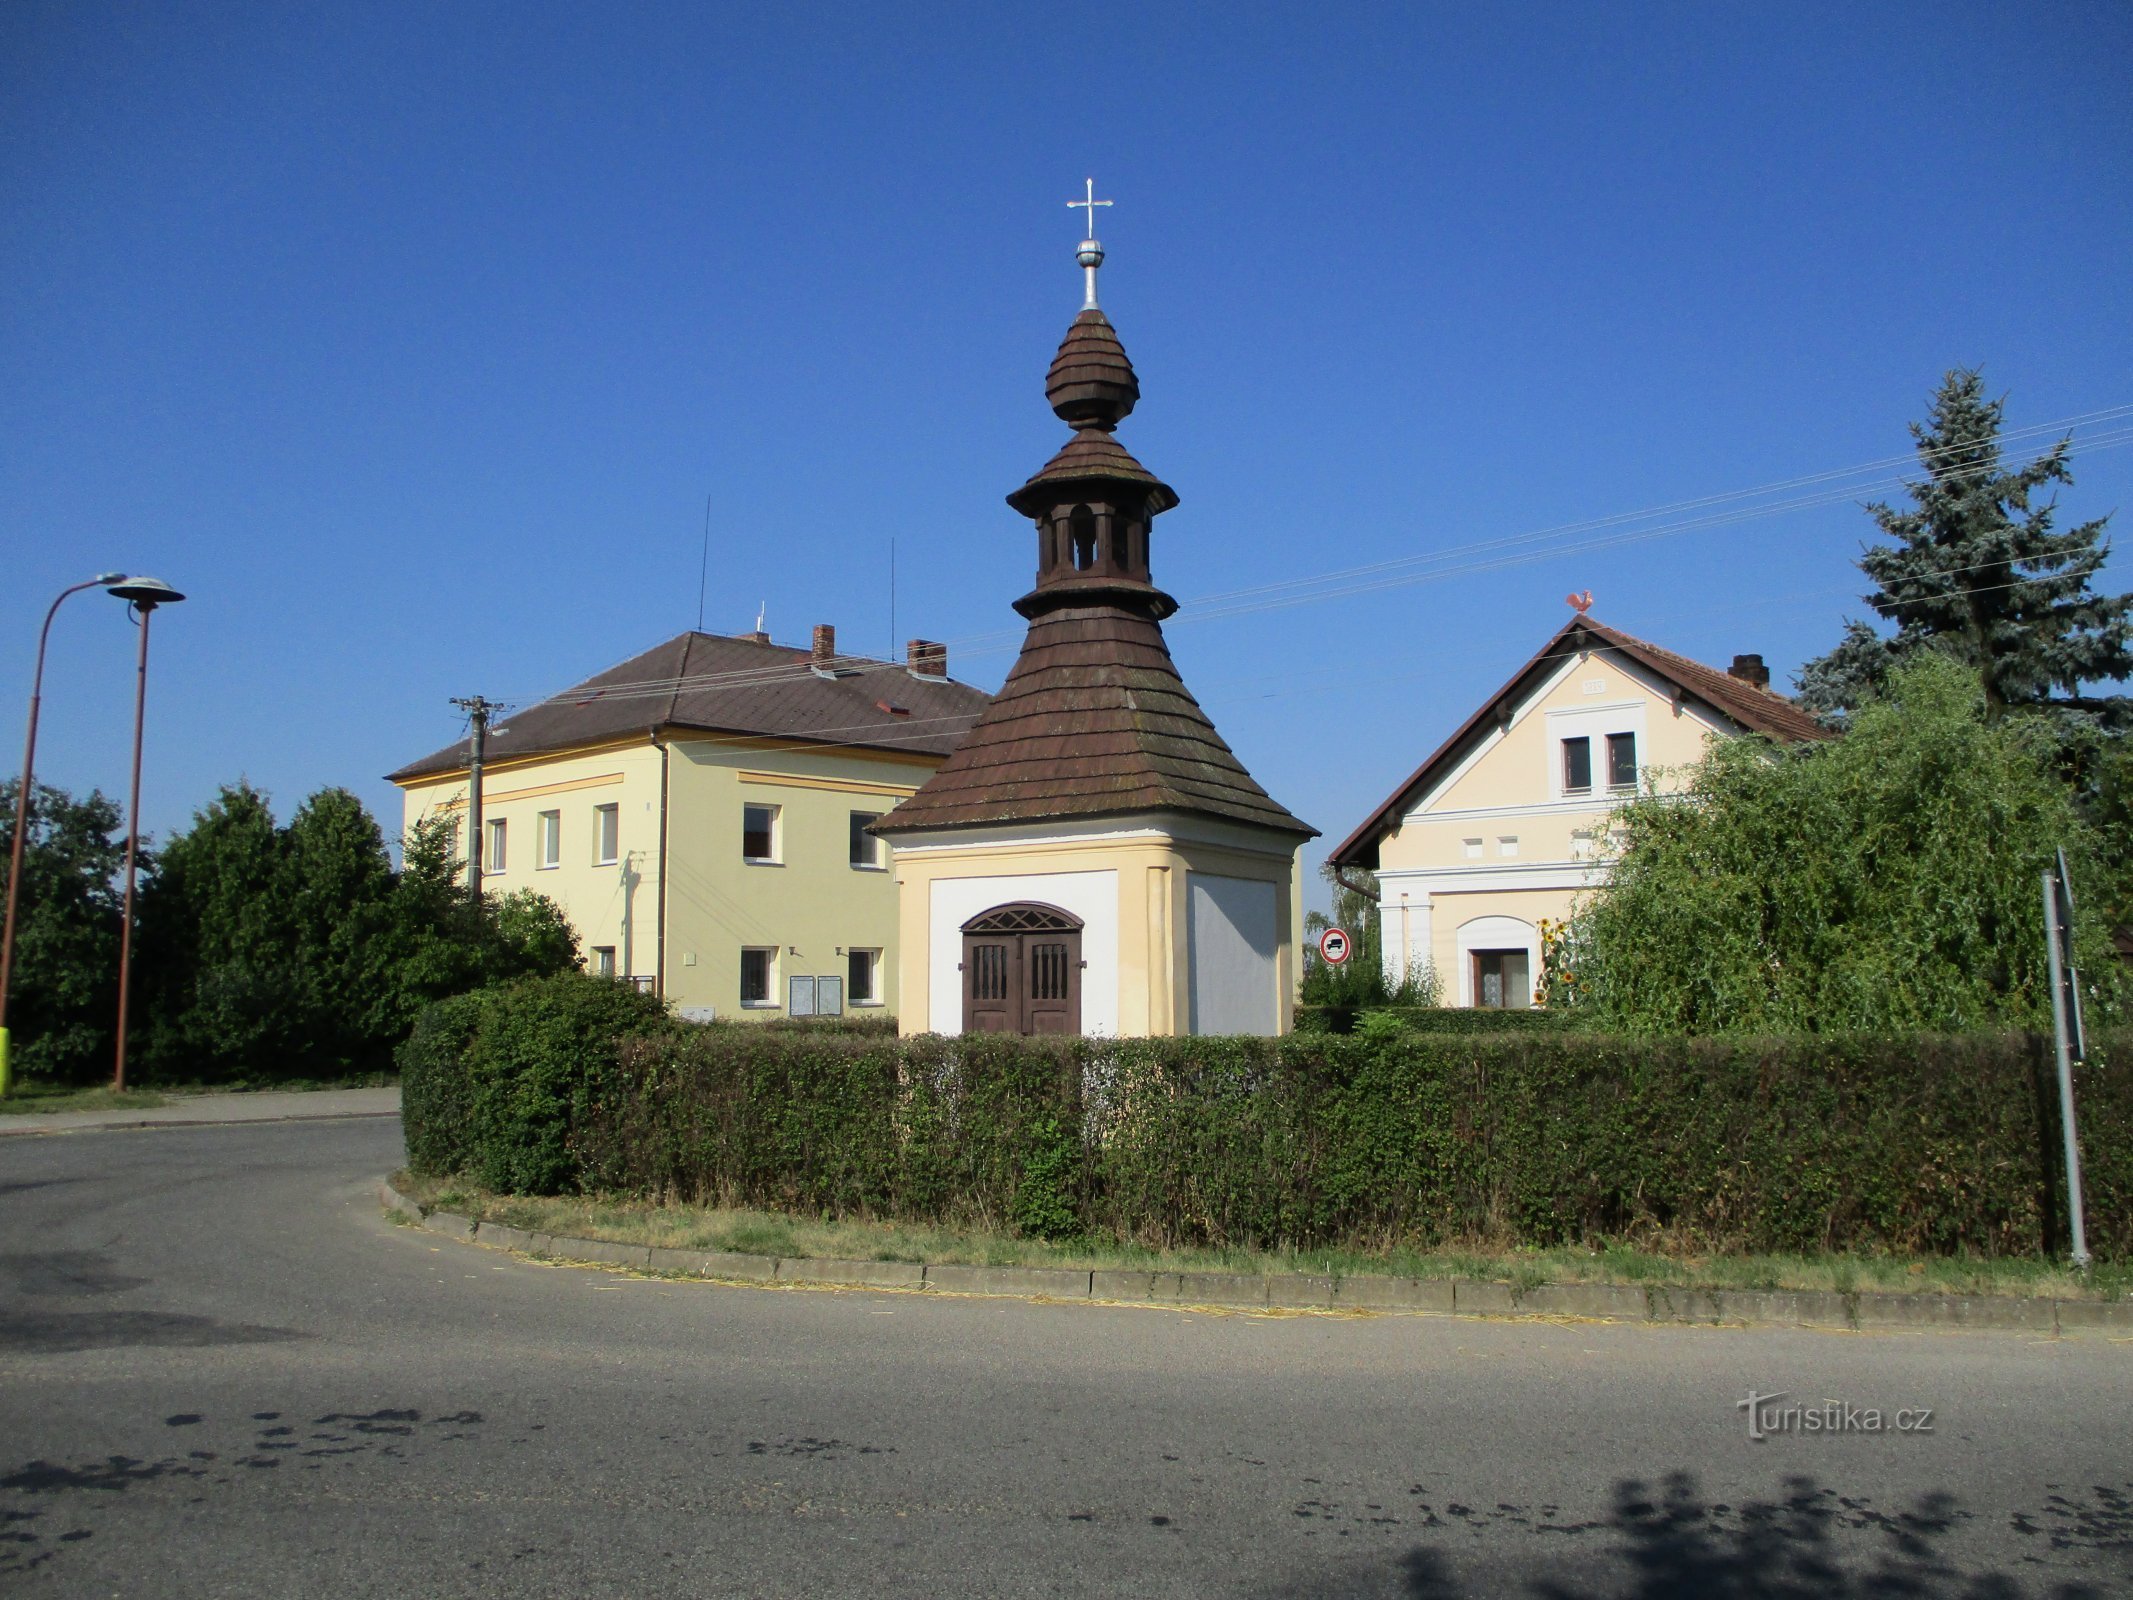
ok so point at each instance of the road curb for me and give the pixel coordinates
(1363, 1292)
(189, 1122)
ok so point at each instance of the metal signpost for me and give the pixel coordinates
(2067, 1035)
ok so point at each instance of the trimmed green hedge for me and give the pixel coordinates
(491, 1083)
(1365, 1141)
(1431, 1019)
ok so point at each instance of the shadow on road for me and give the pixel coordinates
(1669, 1542)
(67, 1275)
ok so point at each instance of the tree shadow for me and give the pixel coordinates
(1668, 1541)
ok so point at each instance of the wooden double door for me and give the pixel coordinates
(1022, 970)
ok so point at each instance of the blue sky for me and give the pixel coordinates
(410, 340)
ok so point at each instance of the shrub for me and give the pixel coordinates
(436, 1085)
(498, 1079)
(1402, 1137)
(1431, 1019)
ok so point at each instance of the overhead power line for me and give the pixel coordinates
(1485, 555)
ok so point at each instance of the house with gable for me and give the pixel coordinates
(700, 812)
(1513, 816)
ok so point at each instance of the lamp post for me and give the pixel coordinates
(22, 808)
(144, 595)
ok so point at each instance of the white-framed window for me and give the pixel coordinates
(866, 849)
(1577, 765)
(550, 840)
(603, 960)
(759, 970)
(1503, 980)
(862, 977)
(497, 853)
(607, 835)
(1622, 762)
(759, 833)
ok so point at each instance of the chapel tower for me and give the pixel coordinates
(1093, 858)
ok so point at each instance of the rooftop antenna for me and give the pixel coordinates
(703, 571)
(1091, 254)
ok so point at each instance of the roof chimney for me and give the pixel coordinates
(927, 657)
(825, 646)
(1751, 671)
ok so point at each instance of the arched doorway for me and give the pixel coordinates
(1022, 970)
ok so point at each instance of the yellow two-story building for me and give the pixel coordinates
(700, 813)
(1513, 816)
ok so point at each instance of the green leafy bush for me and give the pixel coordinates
(1884, 882)
(1530, 1136)
(1431, 1019)
(494, 1082)
(437, 1086)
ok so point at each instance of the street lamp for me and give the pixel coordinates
(22, 807)
(143, 595)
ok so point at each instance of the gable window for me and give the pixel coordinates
(607, 835)
(759, 834)
(756, 965)
(1577, 766)
(551, 840)
(495, 859)
(862, 977)
(1621, 761)
(866, 849)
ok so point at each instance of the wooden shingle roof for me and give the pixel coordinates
(709, 683)
(1756, 710)
(1093, 721)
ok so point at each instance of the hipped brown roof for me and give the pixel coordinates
(713, 684)
(1093, 720)
(1757, 710)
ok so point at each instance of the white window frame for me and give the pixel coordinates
(1636, 763)
(1593, 723)
(548, 841)
(1496, 933)
(603, 961)
(607, 834)
(776, 858)
(496, 849)
(879, 861)
(873, 996)
(769, 1002)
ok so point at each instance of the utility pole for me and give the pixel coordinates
(477, 709)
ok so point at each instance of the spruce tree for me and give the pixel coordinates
(1978, 571)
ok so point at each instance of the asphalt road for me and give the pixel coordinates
(223, 1373)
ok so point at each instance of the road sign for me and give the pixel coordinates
(1333, 946)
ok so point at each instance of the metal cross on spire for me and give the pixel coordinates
(1089, 205)
(1091, 254)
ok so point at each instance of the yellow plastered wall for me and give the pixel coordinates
(811, 906)
(615, 903)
